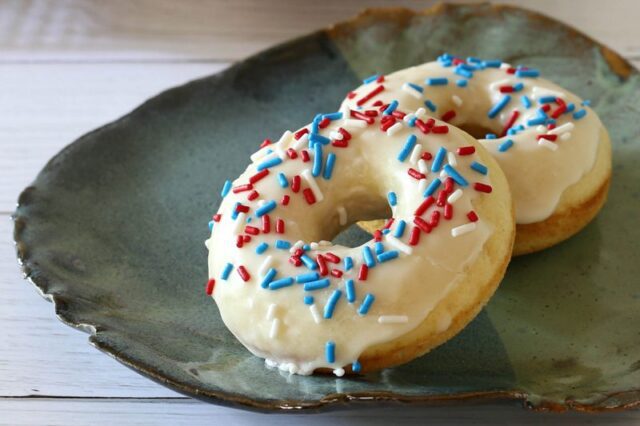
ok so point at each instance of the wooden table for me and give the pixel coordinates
(69, 66)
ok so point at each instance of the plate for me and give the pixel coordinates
(112, 229)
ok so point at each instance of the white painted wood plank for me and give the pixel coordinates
(45, 107)
(72, 30)
(66, 412)
(41, 356)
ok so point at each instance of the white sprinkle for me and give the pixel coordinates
(350, 123)
(442, 175)
(566, 127)
(270, 363)
(324, 243)
(410, 90)
(345, 110)
(394, 129)
(456, 100)
(422, 166)
(314, 245)
(547, 144)
(275, 327)
(315, 314)
(496, 85)
(541, 92)
(301, 142)
(451, 159)
(296, 246)
(339, 372)
(463, 229)
(266, 264)
(393, 319)
(565, 136)
(271, 311)
(455, 196)
(259, 154)
(415, 154)
(261, 202)
(336, 135)
(407, 118)
(398, 244)
(306, 175)
(421, 113)
(342, 215)
(238, 224)
(280, 153)
(422, 185)
(541, 128)
(284, 139)
(207, 242)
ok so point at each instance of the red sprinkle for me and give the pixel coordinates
(242, 188)
(424, 205)
(295, 261)
(346, 136)
(285, 200)
(305, 156)
(398, 114)
(426, 156)
(379, 103)
(546, 107)
(251, 230)
(386, 124)
(414, 238)
(266, 224)
(295, 184)
(265, 142)
(472, 216)
(448, 185)
(241, 208)
(361, 116)
(440, 129)
(351, 95)
(322, 265)
(340, 143)
(481, 187)
(511, 70)
(363, 272)
(253, 195)
(242, 271)
(416, 174)
(466, 150)
(216, 217)
(377, 235)
(210, 285)
(422, 126)
(442, 198)
(506, 89)
(280, 226)
(512, 119)
(297, 135)
(246, 238)
(449, 115)
(389, 223)
(336, 273)
(547, 137)
(255, 178)
(292, 153)
(380, 79)
(448, 211)
(324, 123)
(308, 195)
(422, 224)
(332, 257)
(239, 241)
(370, 95)
(435, 218)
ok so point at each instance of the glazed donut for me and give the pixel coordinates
(550, 144)
(304, 304)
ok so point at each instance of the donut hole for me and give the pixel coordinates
(360, 207)
(478, 131)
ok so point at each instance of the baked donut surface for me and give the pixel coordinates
(550, 144)
(305, 304)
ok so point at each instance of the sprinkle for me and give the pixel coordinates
(525, 101)
(579, 114)
(331, 303)
(366, 304)
(308, 262)
(266, 208)
(308, 300)
(424, 206)
(330, 352)
(466, 150)
(356, 367)
(398, 245)
(283, 245)
(527, 72)
(460, 180)
(210, 285)
(440, 81)
(240, 220)
(439, 158)
(414, 238)
(446, 117)
(432, 187)
(317, 284)
(379, 247)
(472, 216)
(394, 129)
(271, 311)
(281, 283)
(370, 79)
(480, 168)
(415, 174)
(328, 167)
(393, 319)
(268, 277)
(461, 83)
(226, 271)
(363, 273)
(413, 89)
(211, 222)
(308, 277)
(370, 95)
(387, 255)
(225, 188)
(400, 228)
(272, 162)
(463, 229)
(306, 174)
(566, 127)
(266, 224)
(415, 154)
(262, 248)
(265, 266)
(244, 274)
(455, 196)
(282, 180)
(481, 187)
(430, 105)
(498, 106)
(408, 146)
(317, 160)
(504, 146)
(549, 145)
(392, 107)
(393, 200)
(368, 257)
(275, 327)
(456, 100)
(351, 291)
(451, 159)
(348, 263)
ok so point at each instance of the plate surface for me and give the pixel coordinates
(112, 229)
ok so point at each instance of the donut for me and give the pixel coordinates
(550, 144)
(305, 304)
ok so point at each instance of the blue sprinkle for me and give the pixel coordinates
(518, 86)
(392, 107)
(262, 248)
(268, 277)
(387, 255)
(355, 367)
(331, 303)
(473, 59)
(266, 208)
(455, 175)
(308, 300)
(333, 116)
(281, 283)
(438, 159)
(495, 109)
(461, 71)
(430, 105)
(492, 63)
(512, 131)
(432, 187)
(547, 99)
(480, 168)
(368, 257)
(226, 271)
(504, 146)
(570, 108)
(330, 352)
(316, 123)
(306, 247)
(249, 220)
(412, 122)
(317, 285)
(586, 102)
(400, 228)
(317, 160)
(393, 199)
(269, 163)
(440, 81)
(318, 138)
(536, 121)
(379, 247)
(225, 188)
(366, 304)
(211, 225)
(415, 86)
(328, 167)
(235, 212)
(348, 263)
(351, 291)
(308, 262)
(461, 83)
(527, 73)
(282, 180)
(525, 101)
(579, 114)
(407, 148)
(283, 245)
(490, 136)
(308, 277)
(385, 231)
(371, 79)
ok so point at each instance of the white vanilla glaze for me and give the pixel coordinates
(277, 325)
(538, 173)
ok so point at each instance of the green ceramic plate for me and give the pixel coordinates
(113, 227)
